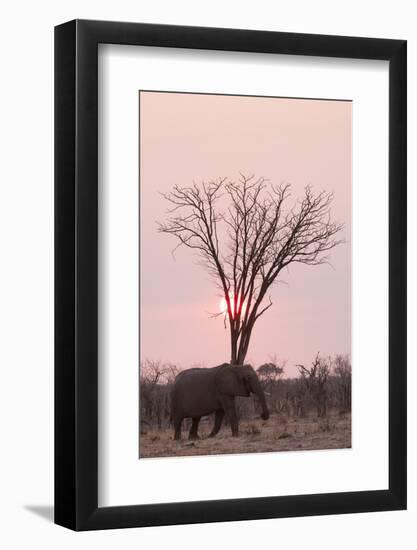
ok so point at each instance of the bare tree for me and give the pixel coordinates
(343, 372)
(270, 375)
(315, 379)
(156, 379)
(246, 244)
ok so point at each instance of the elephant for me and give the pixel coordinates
(199, 392)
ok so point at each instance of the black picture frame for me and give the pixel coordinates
(76, 273)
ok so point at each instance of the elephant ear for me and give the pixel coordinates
(232, 380)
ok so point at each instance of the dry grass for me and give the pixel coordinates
(256, 436)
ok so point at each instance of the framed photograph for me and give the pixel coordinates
(230, 253)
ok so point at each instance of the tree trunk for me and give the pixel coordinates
(233, 345)
(244, 344)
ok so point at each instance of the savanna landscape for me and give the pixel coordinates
(312, 411)
(245, 278)
(279, 433)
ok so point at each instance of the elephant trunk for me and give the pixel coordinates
(259, 392)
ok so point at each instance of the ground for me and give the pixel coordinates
(256, 436)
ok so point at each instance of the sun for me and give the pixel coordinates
(223, 305)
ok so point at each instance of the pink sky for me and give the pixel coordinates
(186, 137)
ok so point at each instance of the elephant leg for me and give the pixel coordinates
(218, 419)
(229, 407)
(194, 428)
(177, 428)
(233, 422)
